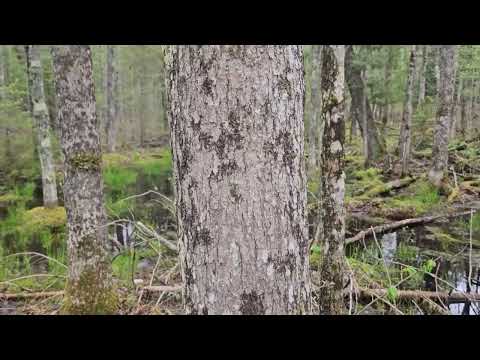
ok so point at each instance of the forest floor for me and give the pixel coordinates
(441, 255)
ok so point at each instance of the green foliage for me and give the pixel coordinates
(406, 254)
(124, 264)
(117, 180)
(392, 293)
(423, 197)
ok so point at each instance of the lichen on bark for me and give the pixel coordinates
(332, 270)
(89, 287)
(236, 120)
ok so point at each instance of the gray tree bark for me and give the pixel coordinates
(463, 111)
(353, 77)
(387, 92)
(89, 285)
(456, 104)
(444, 114)
(2, 72)
(41, 124)
(422, 78)
(111, 99)
(315, 122)
(406, 125)
(237, 134)
(333, 180)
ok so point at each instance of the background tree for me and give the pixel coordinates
(333, 180)
(360, 107)
(405, 140)
(440, 144)
(236, 119)
(42, 126)
(112, 78)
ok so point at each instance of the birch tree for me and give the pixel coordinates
(236, 120)
(41, 123)
(89, 285)
(111, 87)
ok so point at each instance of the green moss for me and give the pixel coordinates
(420, 198)
(86, 161)
(41, 217)
(9, 199)
(87, 297)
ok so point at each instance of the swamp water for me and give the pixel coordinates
(448, 244)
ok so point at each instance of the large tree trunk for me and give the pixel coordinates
(406, 125)
(236, 120)
(333, 180)
(353, 77)
(89, 286)
(111, 99)
(444, 114)
(315, 123)
(42, 126)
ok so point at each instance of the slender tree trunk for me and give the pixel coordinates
(333, 180)
(163, 96)
(366, 139)
(236, 120)
(315, 123)
(444, 113)
(111, 99)
(89, 285)
(456, 104)
(463, 111)
(41, 126)
(472, 104)
(406, 125)
(387, 91)
(437, 72)
(3, 71)
(422, 79)
(142, 110)
(353, 77)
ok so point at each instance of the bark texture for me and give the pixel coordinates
(444, 114)
(41, 124)
(387, 92)
(353, 77)
(89, 286)
(333, 180)
(315, 122)
(422, 79)
(112, 79)
(405, 140)
(2, 72)
(236, 120)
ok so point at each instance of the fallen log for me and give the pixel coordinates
(155, 289)
(454, 297)
(36, 295)
(387, 187)
(400, 224)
